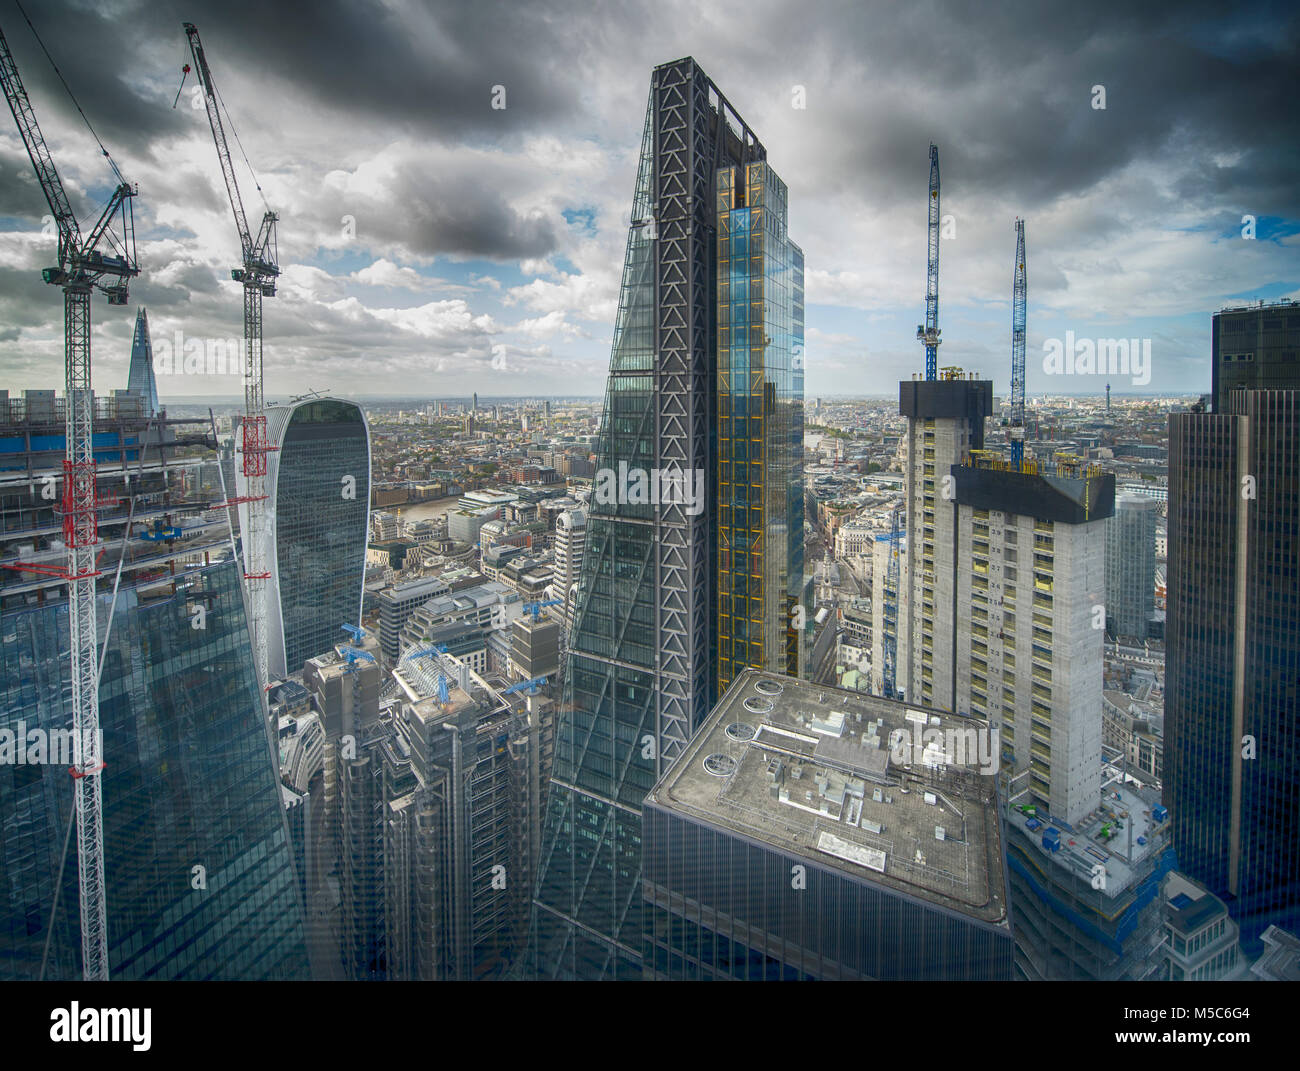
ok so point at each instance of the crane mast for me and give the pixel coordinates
(929, 332)
(1019, 292)
(81, 269)
(257, 273)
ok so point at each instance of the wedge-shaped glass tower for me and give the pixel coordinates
(642, 668)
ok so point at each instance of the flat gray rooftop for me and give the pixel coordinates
(810, 770)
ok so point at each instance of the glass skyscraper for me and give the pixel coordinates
(199, 879)
(319, 487)
(1232, 664)
(760, 425)
(642, 668)
(140, 378)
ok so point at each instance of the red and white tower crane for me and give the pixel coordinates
(257, 273)
(81, 268)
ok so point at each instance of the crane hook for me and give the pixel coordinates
(185, 71)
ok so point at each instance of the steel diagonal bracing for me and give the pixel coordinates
(639, 661)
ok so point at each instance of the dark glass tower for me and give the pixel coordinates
(1255, 347)
(319, 484)
(1232, 667)
(199, 879)
(643, 653)
(140, 379)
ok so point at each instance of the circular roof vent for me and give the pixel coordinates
(755, 705)
(719, 765)
(767, 687)
(741, 730)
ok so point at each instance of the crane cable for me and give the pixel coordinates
(71, 96)
(235, 133)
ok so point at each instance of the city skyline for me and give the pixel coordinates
(423, 225)
(822, 645)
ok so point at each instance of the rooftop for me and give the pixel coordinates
(810, 770)
(1123, 834)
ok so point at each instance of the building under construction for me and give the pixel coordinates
(199, 881)
(432, 783)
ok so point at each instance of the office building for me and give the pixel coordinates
(398, 603)
(760, 313)
(199, 875)
(643, 654)
(1232, 662)
(489, 607)
(570, 539)
(318, 512)
(1256, 347)
(1028, 598)
(345, 694)
(1131, 567)
(1202, 943)
(535, 646)
(945, 421)
(810, 832)
(1085, 895)
(460, 790)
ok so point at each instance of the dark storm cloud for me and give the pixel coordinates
(1006, 91)
(1200, 120)
(446, 208)
(430, 67)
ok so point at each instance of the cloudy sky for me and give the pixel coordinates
(435, 245)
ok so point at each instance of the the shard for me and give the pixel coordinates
(140, 380)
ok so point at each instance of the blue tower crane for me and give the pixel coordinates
(355, 655)
(357, 634)
(525, 686)
(1019, 293)
(929, 332)
(535, 608)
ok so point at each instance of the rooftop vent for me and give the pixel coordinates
(768, 687)
(719, 765)
(755, 705)
(742, 730)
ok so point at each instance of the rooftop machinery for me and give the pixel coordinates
(81, 268)
(258, 273)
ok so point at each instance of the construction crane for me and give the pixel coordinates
(529, 687)
(890, 614)
(535, 608)
(355, 655)
(929, 332)
(1019, 292)
(357, 633)
(257, 273)
(81, 268)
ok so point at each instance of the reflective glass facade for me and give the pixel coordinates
(321, 504)
(189, 782)
(641, 669)
(760, 425)
(1232, 663)
(723, 907)
(140, 379)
